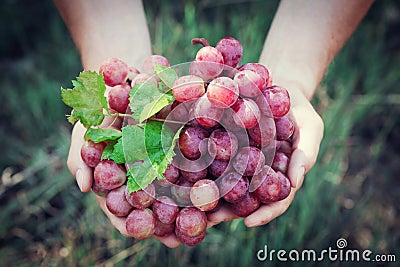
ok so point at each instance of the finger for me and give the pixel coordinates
(268, 212)
(170, 241)
(307, 139)
(117, 222)
(82, 173)
(223, 214)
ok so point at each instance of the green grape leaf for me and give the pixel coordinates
(166, 74)
(152, 152)
(146, 100)
(102, 134)
(86, 99)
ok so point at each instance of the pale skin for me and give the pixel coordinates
(302, 41)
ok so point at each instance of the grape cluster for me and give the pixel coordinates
(234, 148)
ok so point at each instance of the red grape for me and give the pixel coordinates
(266, 185)
(284, 128)
(99, 190)
(206, 113)
(222, 92)
(115, 71)
(246, 113)
(204, 194)
(144, 78)
(278, 101)
(260, 69)
(91, 152)
(132, 73)
(109, 175)
(218, 167)
(208, 64)
(141, 223)
(231, 50)
(118, 98)
(249, 161)
(148, 64)
(116, 202)
(285, 186)
(281, 162)
(233, 187)
(171, 175)
(193, 170)
(188, 87)
(264, 132)
(165, 209)
(249, 82)
(246, 205)
(191, 221)
(190, 140)
(222, 145)
(142, 198)
(181, 191)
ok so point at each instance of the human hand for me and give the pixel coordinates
(306, 141)
(84, 178)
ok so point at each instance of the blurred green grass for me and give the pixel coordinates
(352, 192)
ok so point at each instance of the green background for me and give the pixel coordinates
(352, 192)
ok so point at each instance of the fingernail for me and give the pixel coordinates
(79, 178)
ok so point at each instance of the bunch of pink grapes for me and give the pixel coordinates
(233, 150)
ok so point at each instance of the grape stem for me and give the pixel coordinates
(151, 119)
(202, 41)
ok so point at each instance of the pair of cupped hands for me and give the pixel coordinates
(306, 140)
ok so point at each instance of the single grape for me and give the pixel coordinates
(249, 82)
(231, 50)
(132, 73)
(246, 113)
(115, 71)
(181, 191)
(285, 147)
(284, 128)
(193, 170)
(190, 140)
(116, 202)
(142, 198)
(266, 185)
(91, 152)
(260, 69)
(191, 221)
(222, 92)
(144, 78)
(109, 175)
(165, 209)
(228, 122)
(285, 186)
(209, 63)
(188, 87)
(249, 161)
(281, 162)
(218, 167)
(222, 145)
(204, 194)
(101, 192)
(140, 223)
(171, 175)
(163, 229)
(264, 132)
(190, 240)
(148, 64)
(278, 101)
(118, 98)
(233, 187)
(246, 205)
(206, 113)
